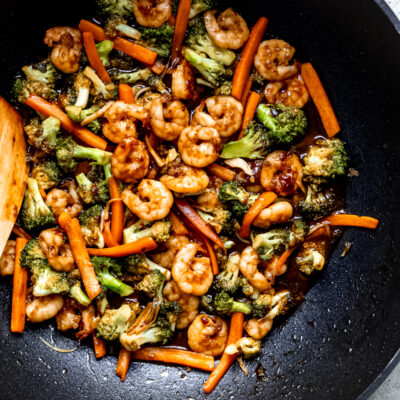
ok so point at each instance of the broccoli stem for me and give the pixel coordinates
(83, 181)
(78, 294)
(265, 117)
(100, 157)
(237, 306)
(104, 49)
(114, 284)
(107, 171)
(129, 31)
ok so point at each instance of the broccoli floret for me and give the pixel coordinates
(119, 8)
(132, 77)
(199, 40)
(262, 305)
(43, 135)
(223, 303)
(224, 90)
(114, 323)
(35, 212)
(82, 88)
(254, 144)
(281, 303)
(249, 290)
(247, 346)
(157, 39)
(139, 264)
(104, 49)
(311, 257)
(212, 71)
(232, 191)
(160, 231)
(92, 192)
(152, 284)
(32, 255)
(107, 92)
(326, 158)
(317, 203)
(105, 268)
(220, 219)
(228, 280)
(79, 295)
(286, 124)
(67, 151)
(200, 6)
(90, 221)
(297, 232)
(78, 115)
(47, 174)
(271, 243)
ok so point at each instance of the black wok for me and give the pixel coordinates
(346, 332)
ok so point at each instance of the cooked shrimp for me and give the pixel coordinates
(7, 259)
(208, 335)
(227, 114)
(208, 200)
(152, 202)
(68, 317)
(290, 92)
(173, 245)
(130, 161)
(183, 81)
(229, 30)
(43, 308)
(88, 322)
(189, 304)
(152, 13)
(248, 266)
(277, 213)
(258, 328)
(60, 200)
(282, 173)
(52, 242)
(192, 274)
(168, 121)
(199, 145)
(121, 120)
(67, 48)
(272, 60)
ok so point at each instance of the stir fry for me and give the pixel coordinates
(178, 184)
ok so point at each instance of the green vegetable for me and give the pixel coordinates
(79, 295)
(228, 280)
(90, 222)
(310, 258)
(139, 264)
(200, 6)
(160, 231)
(152, 284)
(47, 174)
(223, 303)
(271, 243)
(114, 323)
(104, 49)
(157, 39)
(318, 202)
(132, 77)
(119, 8)
(220, 219)
(92, 192)
(43, 135)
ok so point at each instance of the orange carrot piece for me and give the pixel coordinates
(97, 31)
(99, 346)
(107, 235)
(320, 99)
(263, 201)
(211, 255)
(243, 68)
(117, 209)
(94, 58)
(145, 244)
(175, 356)
(246, 91)
(51, 110)
(188, 211)
(124, 360)
(249, 111)
(79, 252)
(20, 283)
(182, 19)
(351, 220)
(159, 161)
(284, 257)
(126, 93)
(235, 333)
(221, 172)
(136, 51)
(177, 225)
(18, 231)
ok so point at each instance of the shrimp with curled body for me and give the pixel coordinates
(168, 121)
(130, 161)
(208, 335)
(67, 47)
(229, 30)
(282, 173)
(199, 145)
(208, 201)
(121, 120)
(189, 304)
(277, 213)
(183, 81)
(43, 308)
(152, 13)
(152, 202)
(290, 92)
(192, 274)
(272, 60)
(60, 200)
(173, 245)
(68, 317)
(58, 252)
(7, 259)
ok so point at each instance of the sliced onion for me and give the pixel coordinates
(241, 164)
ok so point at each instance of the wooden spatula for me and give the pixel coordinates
(13, 169)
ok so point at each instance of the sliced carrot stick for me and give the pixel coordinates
(20, 282)
(351, 220)
(107, 235)
(160, 162)
(320, 99)
(246, 91)
(94, 58)
(99, 346)
(182, 18)
(249, 111)
(117, 209)
(51, 110)
(211, 254)
(187, 210)
(18, 231)
(145, 244)
(97, 31)
(243, 68)
(126, 93)
(79, 252)
(321, 231)
(221, 172)
(284, 257)
(124, 360)
(136, 51)
(235, 333)
(177, 225)
(175, 356)
(263, 201)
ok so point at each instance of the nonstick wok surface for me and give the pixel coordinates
(346, 332)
